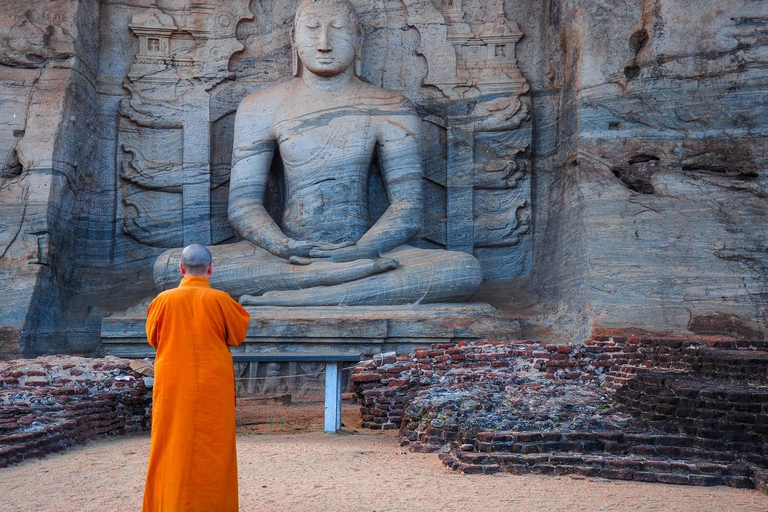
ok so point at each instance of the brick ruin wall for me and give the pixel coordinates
(675, 410)
(700, 397)
(53, 402)
(383, 382)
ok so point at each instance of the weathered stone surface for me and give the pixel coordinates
(648, 149)
(654, 210)
(48, 59)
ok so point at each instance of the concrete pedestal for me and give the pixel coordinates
(332, 397)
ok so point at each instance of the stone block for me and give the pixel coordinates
(359, 330)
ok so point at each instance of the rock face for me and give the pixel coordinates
(652, 210)
(48, 68)
(644, 125)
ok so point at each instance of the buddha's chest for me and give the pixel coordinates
(314, 138)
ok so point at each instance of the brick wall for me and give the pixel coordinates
(715, 415)
(383, 383)
(53, 402)
(684, 410)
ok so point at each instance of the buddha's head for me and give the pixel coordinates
(326, 37)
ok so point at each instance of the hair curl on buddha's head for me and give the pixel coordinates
(352, 17)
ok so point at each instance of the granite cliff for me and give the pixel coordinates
(605, 163)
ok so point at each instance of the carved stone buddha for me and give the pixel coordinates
(327, 126)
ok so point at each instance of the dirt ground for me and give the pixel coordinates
(259, 416)
(287, 464)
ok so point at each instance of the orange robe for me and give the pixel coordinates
(192, 458)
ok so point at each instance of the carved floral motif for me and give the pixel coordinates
(475, 63)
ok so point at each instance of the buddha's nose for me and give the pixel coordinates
(324, 44)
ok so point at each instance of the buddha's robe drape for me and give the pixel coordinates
(192, 460)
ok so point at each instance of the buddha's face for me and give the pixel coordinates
(326, 37)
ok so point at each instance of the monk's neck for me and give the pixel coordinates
(328, 83)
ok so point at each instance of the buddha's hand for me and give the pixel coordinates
(300, 252)
(350, 252)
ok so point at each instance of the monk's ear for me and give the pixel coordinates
(182, 269)
(209, 270)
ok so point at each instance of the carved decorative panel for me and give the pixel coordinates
(182, 54)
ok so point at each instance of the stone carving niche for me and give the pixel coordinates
(191, 71)
(164, 132)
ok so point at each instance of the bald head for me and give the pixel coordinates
(195, 260)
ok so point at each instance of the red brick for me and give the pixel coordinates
(365, 378)
(36, 383)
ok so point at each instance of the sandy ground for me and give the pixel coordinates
(351, 471)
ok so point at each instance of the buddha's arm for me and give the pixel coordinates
(254, 147)
(400, 164)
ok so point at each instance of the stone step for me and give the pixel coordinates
(619, 443)
(606, 465)
(742, 345)
(678, 342)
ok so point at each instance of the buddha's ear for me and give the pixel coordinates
(295, 61)
(359, 54)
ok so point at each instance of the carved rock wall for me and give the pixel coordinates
(652, 196)
(612, 156)
(47, 71)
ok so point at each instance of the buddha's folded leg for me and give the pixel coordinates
(424, 276)
(243, 268)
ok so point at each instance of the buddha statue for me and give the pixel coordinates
(327, 125)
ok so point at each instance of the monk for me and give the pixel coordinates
(192, 459)
(325, 128)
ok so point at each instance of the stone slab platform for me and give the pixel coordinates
(325, 332)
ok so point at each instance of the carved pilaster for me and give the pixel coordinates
(182, 55)
(487, 189)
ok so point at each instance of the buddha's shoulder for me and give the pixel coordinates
(385, 98)
(269, 98)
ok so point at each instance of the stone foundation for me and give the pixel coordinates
(632, 408)
(51, 403)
